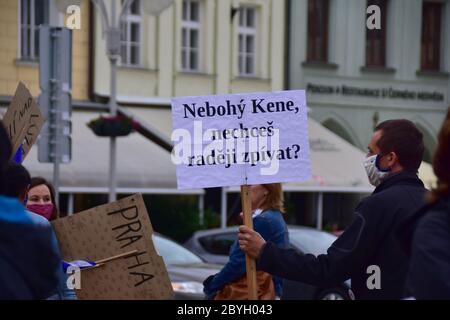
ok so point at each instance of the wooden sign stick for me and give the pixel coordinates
(250, 263)
(102, 262)
(122, 255)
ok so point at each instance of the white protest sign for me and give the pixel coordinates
(239, 139)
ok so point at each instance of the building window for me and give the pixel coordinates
(247, 42)
(33, 13)
(431, 35)
(376, 38)
(318, 15)
(131, 35)
(190, 35)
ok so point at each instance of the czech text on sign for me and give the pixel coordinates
(23, 120)
(240, 139)
(107, 231)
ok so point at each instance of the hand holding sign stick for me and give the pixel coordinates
(249, 262)
(241, 139)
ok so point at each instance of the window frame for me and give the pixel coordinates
(246, 31)
(371, 37)
(31, 55)
(187, 26)
(311, 53)
(127, 20)
(434, 38)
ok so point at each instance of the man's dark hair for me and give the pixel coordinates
(5, 155)
(402, 137)
(17, 180)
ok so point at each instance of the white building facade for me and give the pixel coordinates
(356, 77)
(196, 47)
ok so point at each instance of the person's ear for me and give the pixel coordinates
(392, 159)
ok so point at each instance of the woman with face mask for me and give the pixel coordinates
(41, 199)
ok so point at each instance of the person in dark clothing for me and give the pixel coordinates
(428, 232)
(19, 180)
(367, 252)
(29, 265)
(5, 154)
(20, 184)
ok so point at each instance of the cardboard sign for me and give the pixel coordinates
(23, 120)
(109, 231)
(35, 124)
(240, 139)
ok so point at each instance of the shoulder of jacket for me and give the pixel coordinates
(436, 217)
(374, 200)
(433, 232)
(38, 220)
(269, 214)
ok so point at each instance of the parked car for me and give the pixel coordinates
(214, 247)
(187, 271)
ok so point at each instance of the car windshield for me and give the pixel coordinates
(311, 241)
(174, 254)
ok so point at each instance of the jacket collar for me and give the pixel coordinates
(400, 178)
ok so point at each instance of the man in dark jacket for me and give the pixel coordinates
(367, 252)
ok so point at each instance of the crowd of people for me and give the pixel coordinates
(401, 228)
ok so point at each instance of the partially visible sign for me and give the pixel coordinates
(23, 120)
(113, 230)
(32, 132)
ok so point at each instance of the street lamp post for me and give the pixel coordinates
(111, 28)
(112, 51)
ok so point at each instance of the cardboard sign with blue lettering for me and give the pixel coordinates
(240, 139)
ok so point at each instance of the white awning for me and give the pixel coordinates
(337, 165)
(142, 166)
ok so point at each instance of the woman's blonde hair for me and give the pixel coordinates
(274, 199)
